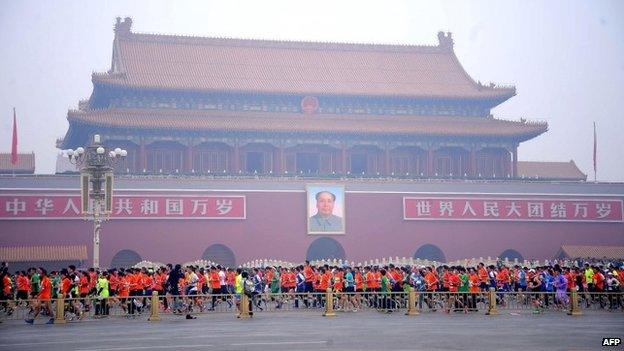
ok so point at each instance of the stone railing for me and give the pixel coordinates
(200, 263)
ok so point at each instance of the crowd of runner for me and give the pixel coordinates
(206, 287)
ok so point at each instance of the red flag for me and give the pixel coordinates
(595, 148)
(14, 143)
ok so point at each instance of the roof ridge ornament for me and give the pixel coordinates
(445, 40)
(123, 27)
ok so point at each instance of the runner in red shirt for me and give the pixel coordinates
(483, 275)
(397, 276)
(7, 294)
(445, 278)
(83, 285)
(431, 280)
(599, 279)
(571, 277)
(23, 286)
(324, 280)
(338, 280)
(376, 279)
(113, 283)
(92, 279)
(502, 279)
(431, 285)
(215, 286)
(453, 283)
(316, 283)
(359, 281)
(284, 280)
(308, 274)
(370, 280)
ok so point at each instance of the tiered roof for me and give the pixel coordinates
(43, 253)
(551, 170)
(25, 163)
(229, 121)
(587, 251)
(206, 65)
(148, 61)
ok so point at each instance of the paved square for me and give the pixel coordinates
(310, 331)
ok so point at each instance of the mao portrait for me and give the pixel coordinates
(326, 209)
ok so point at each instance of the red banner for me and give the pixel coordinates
(55, 206)
(517, 209)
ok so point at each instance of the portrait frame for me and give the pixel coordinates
(313, 224)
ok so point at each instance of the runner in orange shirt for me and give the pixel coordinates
(369, 276)
(397, 275)
(375, 286)
(23, 286)
(230, 279)
(324, 281)
(44, 297)
(338, 280)
(147, 280)
(571, 277)
(375, 282)
(7, 293)
(359, 280)
(431, 286)
(502, 279)
(136, 290)
(93, 277)
(160, 278)
(202, 283)
(431, 280)
(113, 283)
(268, 276)
(453, 285)
(83, 285)
(287, 280)
(483, 277)
(215, 286)
(308, 274)
(473, 283)
(316, 283)
(123, 290)
(445, 278)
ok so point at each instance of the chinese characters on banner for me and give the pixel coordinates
(128, 207)
(502, 209)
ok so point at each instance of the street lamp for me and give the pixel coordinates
(96, 164)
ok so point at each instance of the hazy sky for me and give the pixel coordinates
(566, 58)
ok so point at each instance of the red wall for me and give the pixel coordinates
(276, 228)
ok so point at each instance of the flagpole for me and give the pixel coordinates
(14, 155)
(595, 155)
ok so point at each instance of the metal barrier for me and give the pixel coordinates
(411, 303)
(154, 308)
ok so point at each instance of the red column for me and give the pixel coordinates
(344, 159)
(430, 156)
(236, 161)
(387, 161)
(514, 166)
(142, 157)
(473, 163)
(281, 160)
(188, 165)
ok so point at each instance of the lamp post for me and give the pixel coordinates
(96, 164)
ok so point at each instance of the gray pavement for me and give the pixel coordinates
(310, 331)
